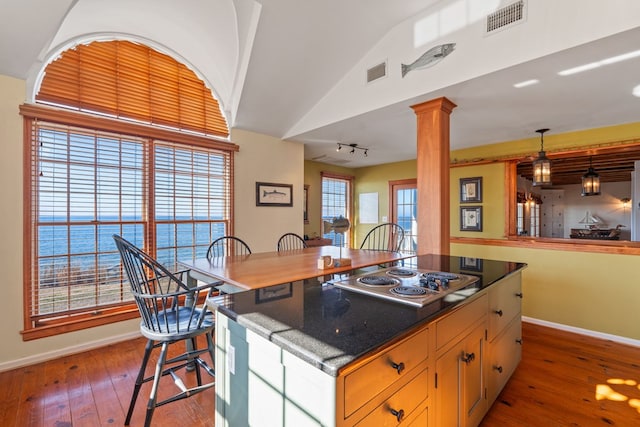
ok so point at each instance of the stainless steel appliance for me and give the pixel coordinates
(415, 287)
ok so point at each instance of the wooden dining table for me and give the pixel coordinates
(262, 269)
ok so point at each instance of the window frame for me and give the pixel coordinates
(96, 315)
(512, 239)
(394, 187)
(348, 201)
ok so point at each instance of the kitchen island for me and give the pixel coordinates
(310, 353)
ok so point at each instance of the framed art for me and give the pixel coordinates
(273, 293)
(471, 218)
(471, 190)
(471, 264)
(270, 194)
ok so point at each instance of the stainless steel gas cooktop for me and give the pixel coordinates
(409, 286)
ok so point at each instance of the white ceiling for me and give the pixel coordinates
(292, 54)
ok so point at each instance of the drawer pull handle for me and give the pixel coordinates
(498, 368)
(398, 367)
(468, 358)
(519, 294)
(398, 414)
(519, 341)
(498, 312)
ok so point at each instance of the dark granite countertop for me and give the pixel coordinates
(330, 327)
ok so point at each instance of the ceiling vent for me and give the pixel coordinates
(505, 17)
(377, 72)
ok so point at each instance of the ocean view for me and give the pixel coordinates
(92, 245)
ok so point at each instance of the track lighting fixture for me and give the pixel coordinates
(354, 147)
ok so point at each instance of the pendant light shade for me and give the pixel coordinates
(590, 182)
(541, 165)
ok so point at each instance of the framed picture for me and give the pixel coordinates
(471, 264)
(470, 218)
(269, 194)
(471, 190)
(306, 204)
(273, 293)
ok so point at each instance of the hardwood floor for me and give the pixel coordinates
(566, 379)
(563, 380)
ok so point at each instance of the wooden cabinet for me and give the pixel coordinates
(374, 378)
(444, 373)
(504, 333)
(460, 398)
(388, 387)
(504, 355)
(400, 405)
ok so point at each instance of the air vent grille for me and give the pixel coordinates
(377, 72)
(508, 15)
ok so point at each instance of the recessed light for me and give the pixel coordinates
(526, 83)
(636, 91)
(597, 64)
(579, 69)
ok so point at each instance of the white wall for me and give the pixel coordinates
(607, 206)
(266, 159)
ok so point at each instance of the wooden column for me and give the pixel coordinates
(433, 175)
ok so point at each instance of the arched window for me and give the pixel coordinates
(130, 143)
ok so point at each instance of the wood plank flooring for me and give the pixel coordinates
(563, 380)
(566, 379)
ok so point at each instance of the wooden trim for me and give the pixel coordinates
(513, 240)
(350, 179)
(328, 174)
(594, 149)
(607, 246)
(108, 124)
(511, 187)
(26, 220)
(393, 186)
(433, 177)
(123, 313)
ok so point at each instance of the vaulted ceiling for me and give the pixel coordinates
(296, 69)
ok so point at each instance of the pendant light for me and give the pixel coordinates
(541, 165)
(590, 181)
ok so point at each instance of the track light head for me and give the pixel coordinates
(354, 147)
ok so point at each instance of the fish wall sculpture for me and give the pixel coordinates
(429, 58)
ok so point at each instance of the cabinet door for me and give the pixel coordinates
(460, 398)
(505, 300)
(504, 355)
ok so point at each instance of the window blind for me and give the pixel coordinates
(170, 199)
(134, 82)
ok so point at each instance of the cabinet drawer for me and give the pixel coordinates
(504, 356)
(505, 300)
(407, 399)
(463, 318)
(373, 377)
(421, 419)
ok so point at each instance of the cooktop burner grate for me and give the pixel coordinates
(440, 275)
(409, 291)
(401, 272)
(378, 281)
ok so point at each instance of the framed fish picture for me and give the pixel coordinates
(270, 194)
